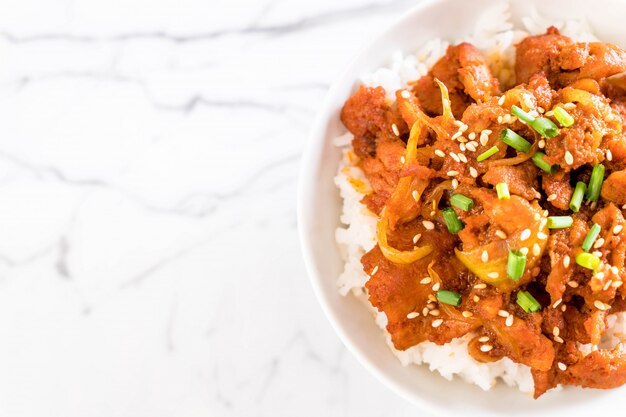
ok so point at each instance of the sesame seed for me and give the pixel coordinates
(440, 153)
(486, 131)
(617, 229)
(506, 118)
(456, 135)
(426, 280)
(484, 139)
(561, 366)
(594, 205)
(541, 109)
(452, 173)
(374, 270)
(462, 139)
(434, 312)
(456, 158)
(462, 147)
(624, 207)
(542, 236)
(599, 243)
(533, 113)
(597, 253)
(455, 183)
(415, 195)
(552, 197)
(484, 256)
(432, 213)
(528, 102)
(542, 223)
(569, 106)
(566, 261)
(472, 136)
(471, 147)
(600, 275)
(416, 237)
(476, 298)
(536, 249)
(573, 284)
(509, 321)
(395, 129)
(412, 315)
(558, 339)
(499, 119)
(501, 100)
(480, 286)
(483, 339)
(458, 123)
(556, 331)
(615, 270)
(436, 286)
(493, 275)
(563, 308)
(503, 313)
(541, 144)
(609, 155)
(549, 113)
(524, 250)
(486, 348)
(467, 314)
(569, 158)
(425, 311)
(525, 234)
(428, 225)
(617, 284)
(437, 323)
(402, 159)
(557, 302)
(473, 172)
(463, 128)
(500, 234)
(600, 305)
(607, 285)
(463, 158)
(405, 94)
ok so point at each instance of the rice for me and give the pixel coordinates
(494, 36)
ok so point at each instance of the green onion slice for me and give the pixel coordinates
(545, 127)
(515, 265)
(595, 183)
(514, 140)
(577, 196)
(462, 202)
(559, 222)
(488, 153)
(587, 260)
(449, 297)
(453, 223)
(503, 191)
(528, 302)
(541, 163)
(521, 114)
(591, 237)
(563, 117)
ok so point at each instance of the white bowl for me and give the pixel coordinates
(319, 208)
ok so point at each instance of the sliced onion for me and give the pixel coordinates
(395, 255)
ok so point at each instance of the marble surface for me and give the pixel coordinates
(149, 261)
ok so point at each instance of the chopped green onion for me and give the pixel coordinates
(577, 197)
(521, 114)
(449, 297)
(587, 260)
(528, 302)
(462, 202)
(595, 183)
(545, 127)
(591, 237)
(515, 265)
(503, 191)
(488, 153)
(541, 163)
(514, 140)
(453, 223)
(563, 117)
(559, 222)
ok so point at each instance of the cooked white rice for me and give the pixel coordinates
(495, 37)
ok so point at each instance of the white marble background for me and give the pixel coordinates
(149, 263)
